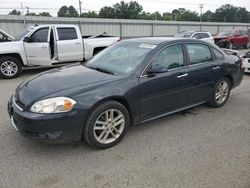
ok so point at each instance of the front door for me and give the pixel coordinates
(37, 48)
(164, 91)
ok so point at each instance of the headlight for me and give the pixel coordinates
(53, 105)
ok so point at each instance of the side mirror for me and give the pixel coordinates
(237, 35)
(155, 70)
(26, 39)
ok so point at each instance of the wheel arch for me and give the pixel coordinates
(118, 99)
(230, 78)
(15, 55)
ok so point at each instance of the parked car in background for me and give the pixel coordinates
(5, 37)
(246, 62)
(131, 82)
(206, 36)
(232, 39)
(49, 45)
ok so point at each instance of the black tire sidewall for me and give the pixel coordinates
(14, 60)
(88, 133)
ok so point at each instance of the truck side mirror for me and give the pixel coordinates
(26, 39)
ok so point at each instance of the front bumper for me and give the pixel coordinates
(221, 43)
(56, 128)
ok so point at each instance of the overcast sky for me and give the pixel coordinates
(52, 6)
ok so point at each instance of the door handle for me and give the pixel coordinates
(77, 43)
(182, 75)
(44, 47)
(215, 68)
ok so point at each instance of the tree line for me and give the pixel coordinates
(133, 10)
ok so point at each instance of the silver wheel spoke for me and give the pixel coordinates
(118, 122)
(105, 136)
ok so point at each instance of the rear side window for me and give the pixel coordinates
(218, 55)
(169, 58)
(204, 35)
(198, 53)
(67, 33)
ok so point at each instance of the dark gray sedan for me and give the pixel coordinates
(131, 82)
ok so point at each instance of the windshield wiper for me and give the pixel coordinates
(101, 70)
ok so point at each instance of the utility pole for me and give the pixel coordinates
(201, 6)
(80, 7)
(22, 8)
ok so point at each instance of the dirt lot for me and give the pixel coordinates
(201, 147)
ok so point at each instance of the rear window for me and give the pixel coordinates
(204, 35)
(67, 33)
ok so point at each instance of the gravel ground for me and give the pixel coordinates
(201, 147)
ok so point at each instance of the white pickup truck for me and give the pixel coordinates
(49, 45)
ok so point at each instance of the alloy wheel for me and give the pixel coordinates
(222, 92)
(9, 68)
(109, 126)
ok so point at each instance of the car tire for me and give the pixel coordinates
(230, 45)
(220, 93)
(103, 128)
(247, 46)
(10, 67)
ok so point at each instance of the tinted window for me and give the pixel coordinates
(169, 58)
(67, 33)
(204, 35)
(198, 53)
(218, 55)
(41, 35)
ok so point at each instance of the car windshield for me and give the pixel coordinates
(121, 58)
(183, 35)
(21, 35)
(226, 33)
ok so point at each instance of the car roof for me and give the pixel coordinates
(159, 40)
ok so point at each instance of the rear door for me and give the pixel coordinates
(69, 44)
(37, 47)
(203, 72)
(165, 91)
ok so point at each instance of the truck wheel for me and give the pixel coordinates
(230, 45)
(10, 67)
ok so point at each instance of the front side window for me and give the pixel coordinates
(41, 35)
(198, 53)
(169, 58)
(67, 33)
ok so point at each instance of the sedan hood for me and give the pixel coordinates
(61, 81)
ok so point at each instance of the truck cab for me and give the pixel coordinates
(48, 45)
